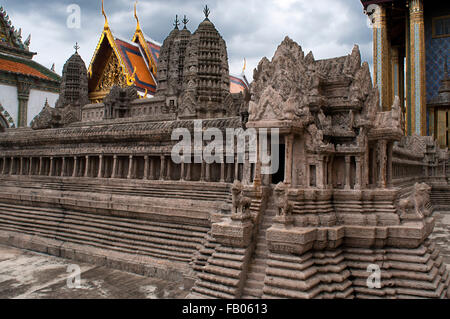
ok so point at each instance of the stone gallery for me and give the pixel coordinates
(97, 182)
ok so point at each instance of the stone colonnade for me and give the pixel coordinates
(144, 167)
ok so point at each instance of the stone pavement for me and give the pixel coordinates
(29, 275)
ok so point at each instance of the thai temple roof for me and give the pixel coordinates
(15, 56)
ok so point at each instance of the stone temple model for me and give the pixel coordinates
(97, 183)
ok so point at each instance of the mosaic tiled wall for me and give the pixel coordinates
(436, 50)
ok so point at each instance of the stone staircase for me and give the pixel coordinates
(155, 189)
(440, 197)
(221, 276)
(254, 285)
(163, 240)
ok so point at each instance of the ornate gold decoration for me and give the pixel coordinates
(112, 75)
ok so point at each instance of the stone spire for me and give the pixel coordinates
(74, 83)
(206, 84)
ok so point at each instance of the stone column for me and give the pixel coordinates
(396, 80)
(23, 95)
(236, 168)
(75, 166)
(358, 174)
(289, 142)
(100, 166)
(21, 166)
(320, 176)
(381, 57)
(3, 165)
(11, 166)
(330, 171)
(347, 172)
(86, 170)
(189, 172)
(208, 172)
(229, 172)
(169, 169)
(416, 91)
(152, 168)
(114, 168)
(63, 166)
(222, 172)
(52, 166)
(183, 168)
(130, 167)
(389, 171)
(382, 146)
(202, 173)
(30, 167)
(162, 168)
(41, 166)
(146, 167)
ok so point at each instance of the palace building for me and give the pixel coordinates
(25, 85)
(411, 41)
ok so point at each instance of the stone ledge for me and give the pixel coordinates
(298, 240)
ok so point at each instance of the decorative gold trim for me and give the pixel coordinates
(139, 36)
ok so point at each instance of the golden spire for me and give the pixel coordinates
(138, 27)
(245, 66)
(104, 14)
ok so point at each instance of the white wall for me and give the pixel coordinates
(9, 101)
(37, 101)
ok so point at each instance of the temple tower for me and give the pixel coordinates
(206, 84)
(74, 84)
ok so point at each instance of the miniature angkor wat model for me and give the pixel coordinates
(350, 193)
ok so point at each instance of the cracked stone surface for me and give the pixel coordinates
(29, 275)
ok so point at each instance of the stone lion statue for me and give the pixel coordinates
(241, 204)
(417, 205)
(282, 202)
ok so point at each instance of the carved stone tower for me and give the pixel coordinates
(206, 85)
(74, 84)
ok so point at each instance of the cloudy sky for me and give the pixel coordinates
(252, 28)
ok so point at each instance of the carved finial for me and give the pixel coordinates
(104, 14)
(138, 27)
(177, 22)
(206, 11)
(185, 21)
(53, 67)
(76, 47)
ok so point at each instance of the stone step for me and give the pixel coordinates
(82, 225)
(152, 241)
(222, 271)
(256, 276)
(218, 279)
(251, 293)
(227, 263)
(104, 218)
(213, 292)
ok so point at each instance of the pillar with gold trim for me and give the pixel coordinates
(381, 54)
(416, 108)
